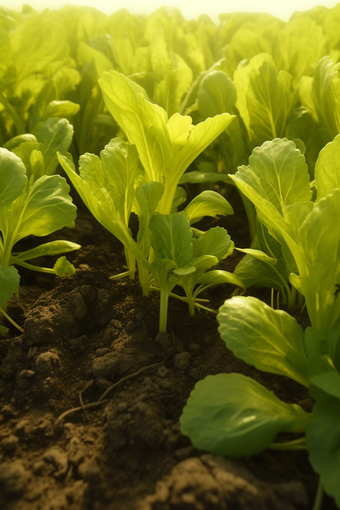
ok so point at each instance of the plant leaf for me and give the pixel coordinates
(327, 168)
(233, 415)
(9, 283)
(270, 339)
(207, 203)
(12, 178)
(323, 434)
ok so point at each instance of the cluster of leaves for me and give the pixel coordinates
(234, 415)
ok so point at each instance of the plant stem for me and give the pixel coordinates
(297, 444)
(11, 320)
(122, 275)
(319, 496)
(163, 310)
(185, 299)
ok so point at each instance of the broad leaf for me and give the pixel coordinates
(264, 98)
(46, 207)
(233, 415)
(319, 237)
(9, 284)
(171, 239)
(50, 248)
(207, 203)
(12, 178)
(327, 168)
(144, 123)
(270, 339)
(216, 94)
(323, 434)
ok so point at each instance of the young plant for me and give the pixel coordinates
(308, 233)
(26, 210)
(180, 259)
(233, 415)
(166, 146)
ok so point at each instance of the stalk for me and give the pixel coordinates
(163, 309)
(2, 311)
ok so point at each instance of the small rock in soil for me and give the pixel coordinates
(78, 305)
(13, 478)
(163, 340)
(47, 363)
(9, 444)
(112, 364)
(162, 371)
(89, 293)
(75, 451)
(58, 458)
(182, 360)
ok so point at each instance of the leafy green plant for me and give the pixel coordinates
(38, 209)
(165, 147)
(233, 415)
(181, 259)
(306, 232)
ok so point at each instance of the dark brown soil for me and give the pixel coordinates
(89, 338)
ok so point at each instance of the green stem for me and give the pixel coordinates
(297, 444)
(163, 309)
(131, 263)
(185, 299)
(11, 320)
(319, 496)
(122, 275)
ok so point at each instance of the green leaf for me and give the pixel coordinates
(323, 445)
(216, 94)
(257, 273)
(9, 284)
(264, 98)
(299, 44)
(171, 239)
(101, 205)
(319, 237)
(233, 415)
(216, 241)
(207, 203)
(50, 248)
(217, 276)
(61, 109)
(17, 140)
(46, 207)
(270, 339)
(277, 182)
(323, 350)
(325, 94)
(199, 138)
(327, 168)
(12, 178)
(259, 255)
(120, 171)
(63, 267)
(144, 123)
(329, 382)
(198, 177)
(169, 92)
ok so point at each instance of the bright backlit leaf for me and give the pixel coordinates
(233, 415)
(270, 339)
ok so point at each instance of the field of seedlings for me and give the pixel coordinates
(169, 261)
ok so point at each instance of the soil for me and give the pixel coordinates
(91, 395)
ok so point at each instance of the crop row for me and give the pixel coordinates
(150, 107)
